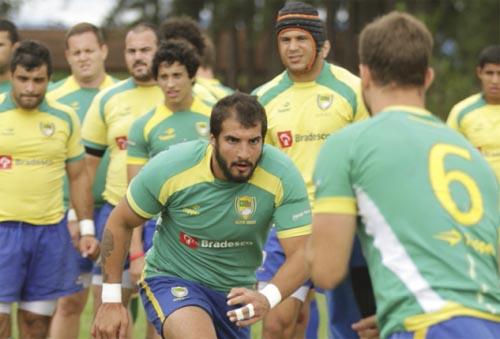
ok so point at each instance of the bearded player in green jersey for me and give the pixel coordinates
(428, 199)
(217, 201)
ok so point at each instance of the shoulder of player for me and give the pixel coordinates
(202, 106)
(275, 161)
(272, 88)
(344, 75)
(116, 89)
(466, 106)
(60, 111)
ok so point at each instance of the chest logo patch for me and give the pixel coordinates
(121, 142)
(47, 128)
(169, 134)
(202, 128)
(5, 162)
(285, 138)
(245, 206)
(324, 101)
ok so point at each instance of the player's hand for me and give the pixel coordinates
(111, 322)
(89, 247)
(367, 328)
(74, 232)
(254, 306)
(136, 267)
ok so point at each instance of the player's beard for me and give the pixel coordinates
(226, 168)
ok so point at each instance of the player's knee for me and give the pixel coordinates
(70, 306)
(278, 326)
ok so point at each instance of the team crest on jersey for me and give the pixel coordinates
(324, 101)
(169, 134)
(202, 128)
(75, 105)
(5, 162)
(47, 128)
(285, 138)
(179, 292)
(245, 206)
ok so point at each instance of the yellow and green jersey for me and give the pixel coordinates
(211, 88)
(479, 122)
(162, 128)
(67, 91)
(107, 124)
(35, 147)
(301, 115)
(5, 86)
(212, 231)
(429, 205)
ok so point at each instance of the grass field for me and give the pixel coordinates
(140, 325)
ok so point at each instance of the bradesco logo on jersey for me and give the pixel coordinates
(5, 162)
(286, 138)
(194, 243)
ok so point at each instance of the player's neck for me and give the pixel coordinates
(183, 105)
(491, 100)
(147, 83)
(205, 73)
(91, 83)
(383, 97)
(309, 75)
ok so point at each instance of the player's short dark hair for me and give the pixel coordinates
(145, 26)
(397, 48)
(31, 54)
(84, 27)
(489, 55)
(183, 27)
(9, 27)
(244, 107)
(178, 50)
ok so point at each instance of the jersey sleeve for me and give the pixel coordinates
(452, 120)
(333, 177)
(94, 130)
(143, 192)
(292, 216)
(74, 145)
(137, 145)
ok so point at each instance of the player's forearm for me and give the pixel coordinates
(293, 273)
(136, 245)
(92, 163)
(81, 194)
(114, 249)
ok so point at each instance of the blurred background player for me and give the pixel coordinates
(39, 143)
(107, 125)
(431, 240)
(305, 104)
(8, 42)
(184, 27)
(478, 116)
(182, 117)
(86, 54)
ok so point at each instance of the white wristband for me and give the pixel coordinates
(111, 293)
(87, 227)
(272, 294)
(72, 215)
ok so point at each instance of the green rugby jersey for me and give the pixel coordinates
(5, 86)
(429, 202)
(212, 231)
(67, 91)
(161, 128)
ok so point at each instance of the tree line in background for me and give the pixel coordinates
(243, 31)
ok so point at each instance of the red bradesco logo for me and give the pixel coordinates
(5, 162)
(285, 138)
(121, 142)
(188, 240)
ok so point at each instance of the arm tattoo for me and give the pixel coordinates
(106, 246)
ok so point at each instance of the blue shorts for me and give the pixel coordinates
(457, 328)
(171, 294)
(148, 233)
(100, 224)
(34, 262)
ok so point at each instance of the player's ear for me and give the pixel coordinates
(429, 77)
(212, 139)
(365, 75)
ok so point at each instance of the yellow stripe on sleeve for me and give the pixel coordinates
(341, 205)
(139, 211)
(136, 161)
(294, 232)
(268, 182)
